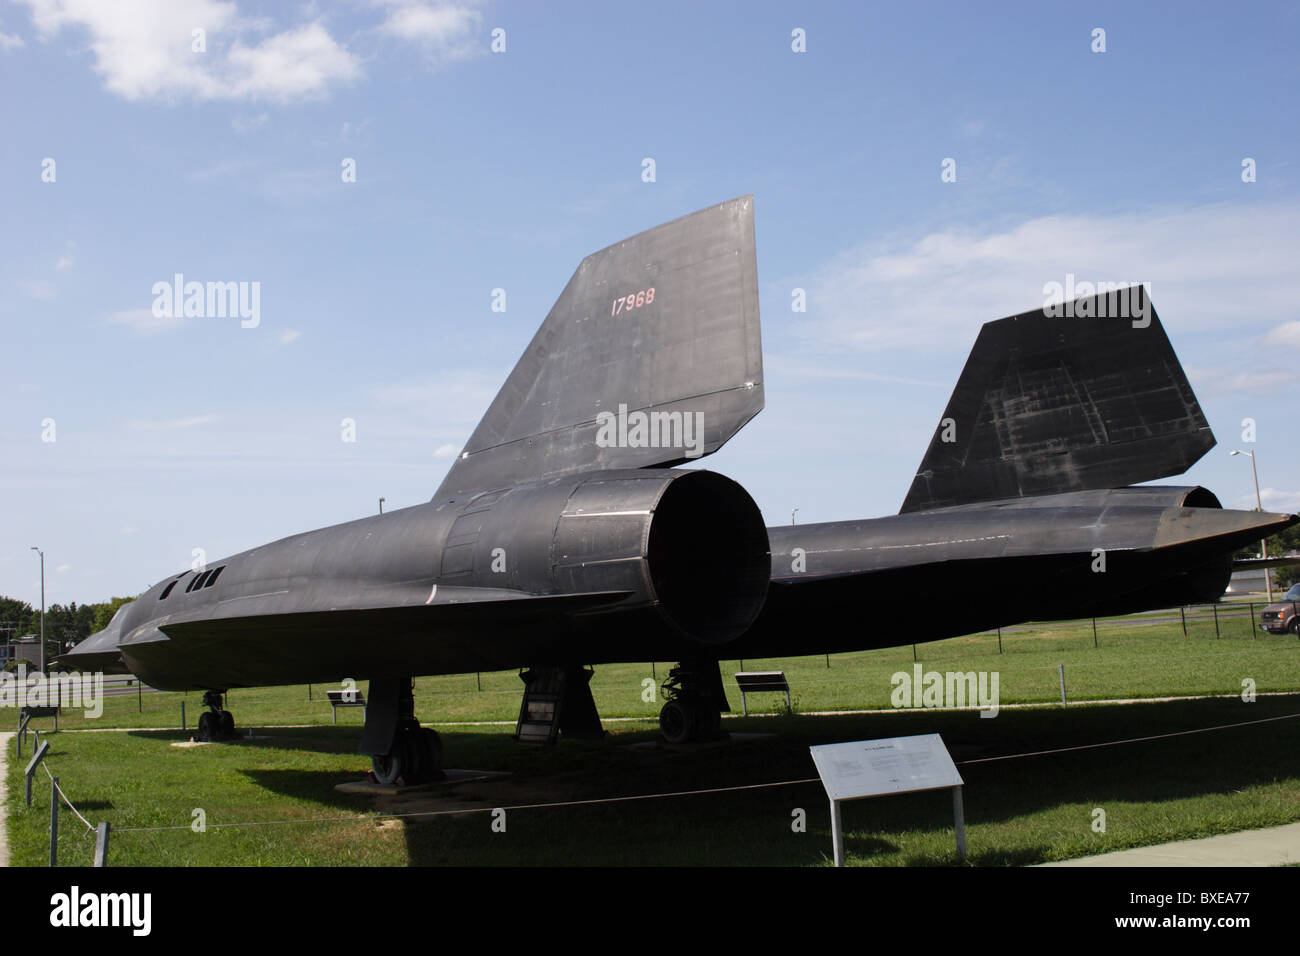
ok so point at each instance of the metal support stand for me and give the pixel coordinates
(557, 699)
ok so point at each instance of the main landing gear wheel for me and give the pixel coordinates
(694, 702)
(387, 768)
(676, 722)
(416, 757)
(401, 751)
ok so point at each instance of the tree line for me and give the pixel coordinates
(64, 624)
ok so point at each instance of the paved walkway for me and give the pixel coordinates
(1275, 846)
(5, 740)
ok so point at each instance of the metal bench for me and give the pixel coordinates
(761, 682)
(345, 698)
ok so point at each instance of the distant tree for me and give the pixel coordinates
(15, 614)
(104, 611)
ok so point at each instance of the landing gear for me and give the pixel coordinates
(694, 701)
(401, 751)
(217, 723)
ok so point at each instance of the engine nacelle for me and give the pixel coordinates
(689, 544)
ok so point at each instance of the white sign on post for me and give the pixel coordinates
(872, 768)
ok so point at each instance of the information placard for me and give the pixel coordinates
(873, 768)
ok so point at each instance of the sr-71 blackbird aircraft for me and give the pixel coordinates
(565, 535)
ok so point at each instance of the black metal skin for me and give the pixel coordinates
(620, 565)
(910, 578)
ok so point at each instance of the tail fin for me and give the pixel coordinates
(1049, 403)
(650, 357)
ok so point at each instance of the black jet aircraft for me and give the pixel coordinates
(566, 534)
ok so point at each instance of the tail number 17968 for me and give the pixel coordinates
(633, 300)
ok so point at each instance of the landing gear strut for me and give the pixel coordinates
(217, 723)
(693, 703)
(401, 751)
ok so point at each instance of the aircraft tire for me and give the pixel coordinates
(388, 767)
(209, 727)
(677, 722)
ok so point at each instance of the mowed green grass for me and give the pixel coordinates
(1017, 811)
(273, 802)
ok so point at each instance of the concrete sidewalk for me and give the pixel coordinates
(1275, 846)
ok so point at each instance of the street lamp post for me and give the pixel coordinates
(381, 505)
(792, 515)
(42, 554)
(1259, 506)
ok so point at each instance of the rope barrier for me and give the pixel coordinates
(60, 792)
(357, 818)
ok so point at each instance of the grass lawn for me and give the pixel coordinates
(1018, 811)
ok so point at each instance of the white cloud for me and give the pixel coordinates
(288, 336)
(173, 424)
(1275, 499)
(143, 50)
(1227, 267)
(444, 28)
(289, 65)
(143, 320)
(64, 264)
(129, 529)
(10, 41)
(63, 567)
(445, 451)
(1286, 335)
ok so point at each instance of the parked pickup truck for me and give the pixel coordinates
(1282, 616)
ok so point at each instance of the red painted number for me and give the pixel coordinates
(633, 300)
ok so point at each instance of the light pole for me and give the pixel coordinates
(1263, 542)
(381, 505)
(42, 554)
(792, 516)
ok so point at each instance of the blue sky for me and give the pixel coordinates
(478, 170)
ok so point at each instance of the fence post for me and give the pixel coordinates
(1252, 622)
(1182, 612)
(1094, 633)
(1062, 672)
(1215, 608)
(54, 821)
(182, 715)
(999, 640)
(101, 844)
